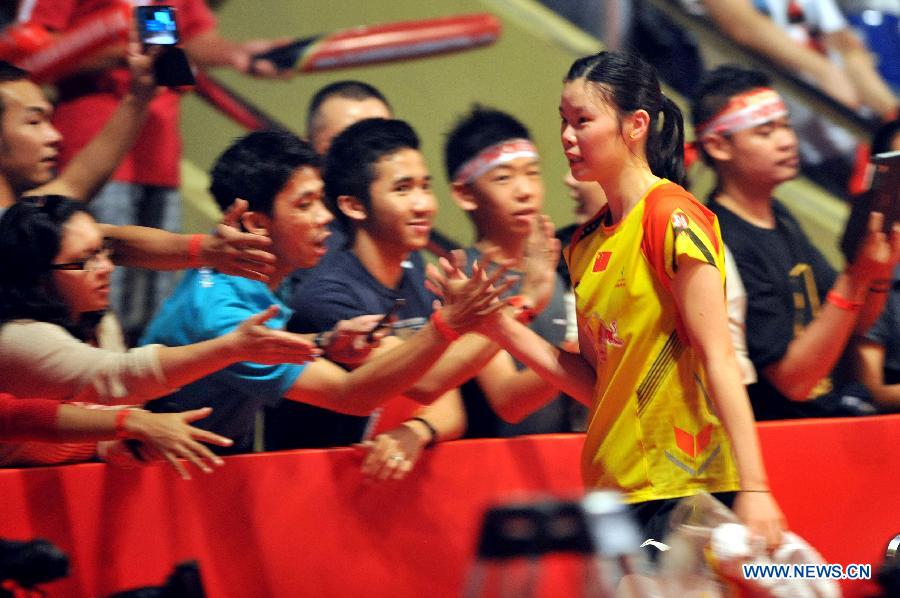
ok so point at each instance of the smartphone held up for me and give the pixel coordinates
(157, 25)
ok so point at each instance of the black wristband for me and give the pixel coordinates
(320, 340)
(431, 430)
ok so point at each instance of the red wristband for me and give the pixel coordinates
(195, 243)
(842, 302)
(524, 312)
(121, 416)
(442, 327)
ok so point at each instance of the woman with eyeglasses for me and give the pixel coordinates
(54, 288)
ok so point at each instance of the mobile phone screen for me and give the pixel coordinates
(156, 25)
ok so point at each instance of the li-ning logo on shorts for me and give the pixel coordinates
(655, 544)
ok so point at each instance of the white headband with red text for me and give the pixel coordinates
(493, 156)
(745, 111)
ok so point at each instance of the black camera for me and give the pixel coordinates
(30, 563)
(184, 582)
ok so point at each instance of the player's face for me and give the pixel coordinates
(299, 220)
(591, 133)
(510, 196)
(767, 153)
(86, 289)
(402, 204)
(337, 113)
(588, 196)
(29, 144)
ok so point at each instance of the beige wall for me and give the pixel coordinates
(521, 74)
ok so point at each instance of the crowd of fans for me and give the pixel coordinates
(279, 312)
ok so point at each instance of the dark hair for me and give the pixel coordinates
(8, 74)
(350, 162)
(629, 83)
(480, 128)
(884, 136)
(352, 90)
(30, 239)
(716, 88)
(257, 166)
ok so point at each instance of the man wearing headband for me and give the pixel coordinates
(800, 312)
(495, 172)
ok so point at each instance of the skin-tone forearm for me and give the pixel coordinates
(813, 353)
(229, 250)
(698, 293)
(144, 247)
(93, 165)
(182, 365)
(209, 49)
(871, 310)
(388, 374)
(869, 369)
(77, 424)
(89, 170)
(860, 69)
(251, 341)
(514, 394)
(462, 361)
(447, 416)
(740, 21)
(568, 372)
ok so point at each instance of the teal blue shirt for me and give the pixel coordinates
(206, 305)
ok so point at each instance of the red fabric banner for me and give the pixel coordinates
(305, 523)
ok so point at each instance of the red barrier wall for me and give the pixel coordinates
(303, 523)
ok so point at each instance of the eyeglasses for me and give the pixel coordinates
(90, 263)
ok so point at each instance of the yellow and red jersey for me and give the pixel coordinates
(653, 432)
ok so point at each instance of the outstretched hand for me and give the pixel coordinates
(539, 265)
(256, 342)
(351, 341)
(231, 251)
(469, 302)
(171, 437)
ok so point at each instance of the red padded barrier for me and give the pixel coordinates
(303, 523)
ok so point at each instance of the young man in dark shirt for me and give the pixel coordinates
(800, 312)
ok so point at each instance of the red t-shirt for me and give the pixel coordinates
(87, 101)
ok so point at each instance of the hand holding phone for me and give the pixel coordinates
(384, 322)
(157, 26)
(883, 196)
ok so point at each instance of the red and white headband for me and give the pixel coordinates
(745, 111)
(493, 156)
